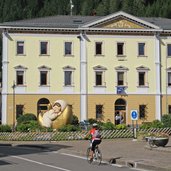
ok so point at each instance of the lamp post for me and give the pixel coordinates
(13, 87)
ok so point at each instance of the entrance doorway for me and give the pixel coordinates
(120, 111)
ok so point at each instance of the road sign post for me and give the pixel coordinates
(134, 118)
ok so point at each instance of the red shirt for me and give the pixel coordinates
(92, 132)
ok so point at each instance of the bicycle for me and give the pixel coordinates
(97, 156)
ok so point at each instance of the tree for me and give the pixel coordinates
(103, 8)
(138, 7)
(127, 6)
(32, 8)
(115, 5)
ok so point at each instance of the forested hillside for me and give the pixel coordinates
(11, 10)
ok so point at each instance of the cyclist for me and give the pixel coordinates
(95, 139)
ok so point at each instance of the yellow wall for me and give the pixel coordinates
(32, 60)
(56, 60)
(132, 101)
(30, 103)
(132, 61)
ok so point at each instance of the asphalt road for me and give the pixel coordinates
(22, 158)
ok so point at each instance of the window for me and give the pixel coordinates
(169, 50)
(141, 49)
(20, 78)
(20, 47)
(68, 78)
(121, 72)
(19, 110)
(120, 49)
(99, 111)
(43, 77)
(43, 48)
(142, 111)
(99, 75)
(98, 48)
(169, 78)
(143, 76)
(169, 109)
(20, 75)
(120, 77)
(68, 48)
(42, 106)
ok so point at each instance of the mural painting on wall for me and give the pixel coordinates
(59, 114)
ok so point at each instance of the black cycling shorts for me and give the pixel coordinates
(95, 142)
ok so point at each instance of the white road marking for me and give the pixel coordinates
(139, 169)
(66, 154)
(40, 163)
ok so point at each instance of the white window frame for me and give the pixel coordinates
(168, 45)
(69, 69)
(47, 48)
(168, 81)
(145, 70)
(123, 48)
(141, 55)
(23, 46)
(124, 70)
(23, 69)
(102, 48)
(44, 69)
(72, 46)
(99, 69)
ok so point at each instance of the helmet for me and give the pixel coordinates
(95, 125)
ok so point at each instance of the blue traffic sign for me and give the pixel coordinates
(134, 114)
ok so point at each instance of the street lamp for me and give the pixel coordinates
(13, 87)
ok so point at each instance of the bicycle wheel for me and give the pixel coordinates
(88, 154)
(98, 156)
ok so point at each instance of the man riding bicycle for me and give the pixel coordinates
(95, 139)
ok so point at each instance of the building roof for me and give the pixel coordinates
(74, 22)
(164, 23)
(60, 21)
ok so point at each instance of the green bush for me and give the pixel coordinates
(154, 124)
(166, 120)
(5, 128)
(26, 117)
(145, 125)
(69, 128)
(107, 126)
(28, 126)
(74, 120)
(157, 124)
(121, 126)
(91, 121)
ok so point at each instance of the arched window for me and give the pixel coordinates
(120, 104)
(42, 105)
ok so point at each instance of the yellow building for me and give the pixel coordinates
(102, 66)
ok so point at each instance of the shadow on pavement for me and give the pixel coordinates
(23, 149)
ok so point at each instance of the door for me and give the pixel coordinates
(120, 111)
